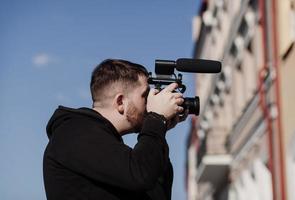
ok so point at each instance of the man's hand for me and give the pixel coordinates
(165, 102)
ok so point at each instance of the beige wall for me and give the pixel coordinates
(288, 95)
(286, 25)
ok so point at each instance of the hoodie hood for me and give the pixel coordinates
(63, 114)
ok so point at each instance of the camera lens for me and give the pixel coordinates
(192, 104)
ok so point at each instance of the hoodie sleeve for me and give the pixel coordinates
(91, 150)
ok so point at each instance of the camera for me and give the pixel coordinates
(164, 70)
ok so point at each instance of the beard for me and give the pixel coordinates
(135, 118)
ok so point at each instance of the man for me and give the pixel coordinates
(86, 157)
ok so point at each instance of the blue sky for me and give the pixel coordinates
(48, 50)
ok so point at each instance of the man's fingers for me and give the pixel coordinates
(153, 92)
(179, 101)
(177, 95)
(179, 109)
(171, 87)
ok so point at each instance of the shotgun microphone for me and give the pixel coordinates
(197, 65)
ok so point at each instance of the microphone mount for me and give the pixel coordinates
(160, 80)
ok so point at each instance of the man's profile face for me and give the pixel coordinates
(137, 107)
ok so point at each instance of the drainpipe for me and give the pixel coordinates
(262, 75)
(270, 65)
(278, 100)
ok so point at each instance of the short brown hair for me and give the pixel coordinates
(114, 70)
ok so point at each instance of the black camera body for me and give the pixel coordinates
(164, 70)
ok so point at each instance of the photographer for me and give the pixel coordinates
(86, 157)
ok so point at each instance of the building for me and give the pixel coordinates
(242, 145)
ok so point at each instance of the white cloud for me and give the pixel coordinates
(41, 59)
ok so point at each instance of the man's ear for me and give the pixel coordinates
(119, 103)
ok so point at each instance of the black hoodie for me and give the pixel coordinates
(87, 159)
